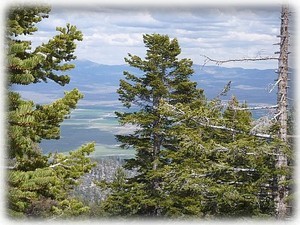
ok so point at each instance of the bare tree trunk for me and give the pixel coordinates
(281, 191)
(281, 164)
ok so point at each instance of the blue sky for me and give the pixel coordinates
(221, 33)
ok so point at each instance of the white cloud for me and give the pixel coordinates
(243, 36)
(247, 87)
(135, 19)
(228, 32)
(119, 39)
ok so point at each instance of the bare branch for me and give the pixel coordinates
(237, 169)
(235, 131)
(275, 116)
(257, 107)
(220, 62)
(51, 166)
(260, 135)
(60, 164)
(274, 85)
(10, 167)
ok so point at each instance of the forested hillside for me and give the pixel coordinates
(196, 146)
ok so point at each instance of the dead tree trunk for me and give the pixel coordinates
(280, 191)
(281, 164)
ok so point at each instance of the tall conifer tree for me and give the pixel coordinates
(164, 78)
(39, 184)
(221, 168)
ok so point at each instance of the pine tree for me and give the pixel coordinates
(195, 158)
(39, 184)
(164, 78)
(218, 172)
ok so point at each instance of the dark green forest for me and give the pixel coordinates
(196, 158)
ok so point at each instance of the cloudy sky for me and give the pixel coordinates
(221, 33)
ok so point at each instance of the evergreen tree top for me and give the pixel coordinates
(23, 20)
(27, 65)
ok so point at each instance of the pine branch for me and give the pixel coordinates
(225, 89)
(21, 124)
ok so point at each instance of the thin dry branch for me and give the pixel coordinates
(234, 130)
(260, 135)
(220, 62)
(60, 164)
(275, 85)
(256, 107)
(51, 166)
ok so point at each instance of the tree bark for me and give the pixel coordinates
(281, 164)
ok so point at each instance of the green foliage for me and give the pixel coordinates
(188, 166)
(39, 185)
(22, 20)
(49, 186)
(29, 124)
(27, 66)
(165, 78)
(217, 172)
(194, 158)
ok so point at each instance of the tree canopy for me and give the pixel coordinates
(39, 184)
(164, 78)
(196, 158)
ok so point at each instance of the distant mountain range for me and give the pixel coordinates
(94, 120)
(99, 83)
